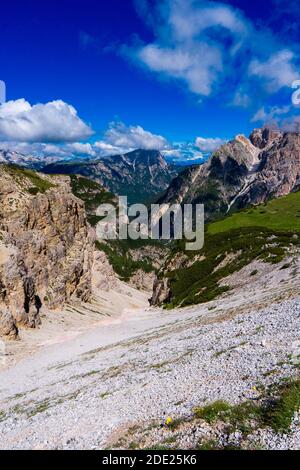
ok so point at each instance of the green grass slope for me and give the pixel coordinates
(39, 184)
(92, 194)
(279, 214)
(265, 233)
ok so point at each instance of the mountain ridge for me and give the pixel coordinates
(140, 174)
(241, 172)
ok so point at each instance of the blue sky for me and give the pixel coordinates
(145, 73)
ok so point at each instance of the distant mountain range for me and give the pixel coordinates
(241, 172)
(47, 237)
(22, 159)
(141, 174)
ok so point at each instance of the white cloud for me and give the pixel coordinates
(208, 144)
(120, 136)
(203, 44)
(278, 71)
(173, 152)
(35, 149)
(270, 114)
(117, 139)
(103, 148)
(189, 20)
(183, 151)
(55, 121)
(197, 66)
(79, 148)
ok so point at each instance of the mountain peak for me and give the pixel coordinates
(151, 157)
(144, 153)
(264, 136)
(242, 172)
(140, 174)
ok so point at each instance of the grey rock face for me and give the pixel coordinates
(278, 173)
(161, 292)
(260, 138)
(140, 174)
(241, 172)
(46, 248)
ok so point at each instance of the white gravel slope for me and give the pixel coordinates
(78, 394)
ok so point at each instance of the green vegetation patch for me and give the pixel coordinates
(121, 260)
(212, 412)
(274, 412)
(40, 185)
(92, 194)
(280, 412)
(264, 233)
(279, 214)
(223, 255)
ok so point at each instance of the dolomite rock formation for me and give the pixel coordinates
(278, 173)
(46, 247)
(103, 276)
(241, 172)
(161, 292)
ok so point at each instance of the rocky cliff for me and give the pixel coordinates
(46, 247)
(278, 172)
(242, 172)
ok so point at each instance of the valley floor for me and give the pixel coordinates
(115, 384)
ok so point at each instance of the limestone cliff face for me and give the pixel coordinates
(161, 292)
(46, 247)
(241, 172)
(278, 173)
(216, 182)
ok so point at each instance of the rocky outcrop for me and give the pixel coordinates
(242, 172)
(46, 247)
(278, 173)
(263, 137)
(216, 182)
(161, 292)
(104, 277)
(142, 280)
(153, 254)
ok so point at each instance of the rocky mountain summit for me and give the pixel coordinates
(13, 157)
(140, 174)
(46, 247)
(241, 172)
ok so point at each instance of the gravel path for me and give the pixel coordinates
(83, 393)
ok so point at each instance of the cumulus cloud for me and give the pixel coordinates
(204, 44)
(55, 121)
(208, 144)
(103, 148)
(117, 139)
(120, 136)
(183, 151)
(79, 148)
